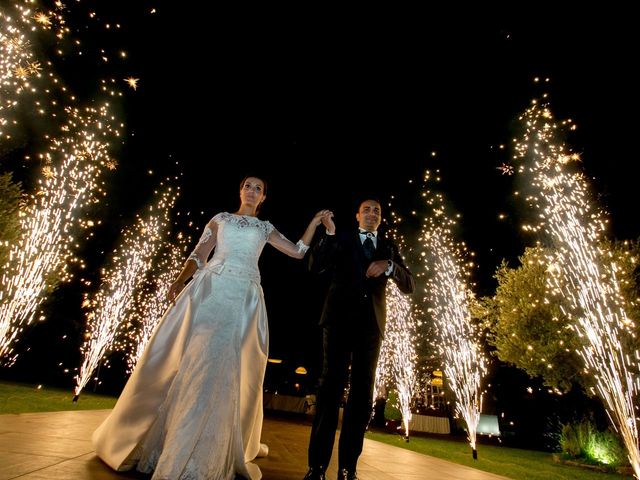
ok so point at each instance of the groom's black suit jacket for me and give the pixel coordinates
(342, 257)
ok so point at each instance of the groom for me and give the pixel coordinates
(359, 264)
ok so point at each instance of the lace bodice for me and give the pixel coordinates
(239, 239)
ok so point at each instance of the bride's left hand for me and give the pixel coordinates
(320, 216)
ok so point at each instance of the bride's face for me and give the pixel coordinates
(252, 191)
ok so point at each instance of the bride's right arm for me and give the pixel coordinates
(196, 260)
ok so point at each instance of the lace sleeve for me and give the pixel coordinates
(286, 246)
(207, 242)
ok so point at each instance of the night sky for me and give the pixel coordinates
(330, 105)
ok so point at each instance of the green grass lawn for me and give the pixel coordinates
(509, 462)
(22, 398)
(513, 463)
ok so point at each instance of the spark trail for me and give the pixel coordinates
(151, 301)
(448, 296)
(397, 358)
(74, 164)
(397, 364)
(112, 303)
(580, 271)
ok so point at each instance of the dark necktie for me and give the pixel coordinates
(368, 246)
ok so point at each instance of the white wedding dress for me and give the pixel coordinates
(192, 408)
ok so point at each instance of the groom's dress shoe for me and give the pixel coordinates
(315, 473)
(345, 474)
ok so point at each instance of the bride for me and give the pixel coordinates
(192, 408)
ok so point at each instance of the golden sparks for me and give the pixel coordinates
(34, 68)
(70, 183)
(506, 169)
(43, 19)
(397, 364)
(21, 72)
(448, 296)
(579, 272)
(132, 82)
(111, 306)
(47, 172)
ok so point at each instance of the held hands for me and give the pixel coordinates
(376, 268)
(326, 218)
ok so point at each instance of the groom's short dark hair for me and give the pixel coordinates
(363, 198)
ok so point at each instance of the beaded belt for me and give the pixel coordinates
(233, 270)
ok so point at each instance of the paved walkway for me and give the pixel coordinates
(56, 446)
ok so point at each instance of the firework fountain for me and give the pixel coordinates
(579, 270)
(397, 361)
(150, 301)
(74, 164)
(448, 297)
(397, 358)
(129, 266)
(71, 169)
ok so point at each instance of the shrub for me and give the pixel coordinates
(391, 410)
(583, 440)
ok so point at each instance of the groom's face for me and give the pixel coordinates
(369, 215)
